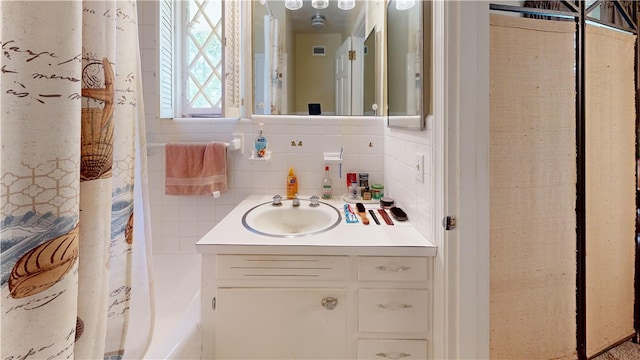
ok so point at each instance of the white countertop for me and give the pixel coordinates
(229, 236)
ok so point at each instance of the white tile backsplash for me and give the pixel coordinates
(369, 146)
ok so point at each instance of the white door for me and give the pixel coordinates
(259, 84)
(280, 323)
(343, 79)
(357, 76)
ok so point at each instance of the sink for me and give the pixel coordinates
(287, 220)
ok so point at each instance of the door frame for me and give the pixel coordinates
(461, 142)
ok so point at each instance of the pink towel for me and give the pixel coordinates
(195, 168)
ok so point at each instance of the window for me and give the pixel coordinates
(198, 63)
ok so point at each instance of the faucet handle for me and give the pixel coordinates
(277, 200)
(314, 201)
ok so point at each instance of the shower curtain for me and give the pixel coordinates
(71, 120)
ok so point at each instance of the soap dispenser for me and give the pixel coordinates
(260, 143)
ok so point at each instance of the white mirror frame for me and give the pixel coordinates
(376, 17)
(418, 121)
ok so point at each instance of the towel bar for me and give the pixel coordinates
(235, 144)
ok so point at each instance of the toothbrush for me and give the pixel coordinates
(340, 166)
(363, 213)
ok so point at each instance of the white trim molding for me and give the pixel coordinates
(461, 125)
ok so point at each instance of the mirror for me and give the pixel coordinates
(301, 60)
(370, 106)
(408, 84)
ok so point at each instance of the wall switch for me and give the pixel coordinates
(419, 167)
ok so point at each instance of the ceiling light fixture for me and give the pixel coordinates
(404, 4)
(319, 4)
(346, 4)
(293, 4)
(317, 21)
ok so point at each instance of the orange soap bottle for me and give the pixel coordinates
(292, 184)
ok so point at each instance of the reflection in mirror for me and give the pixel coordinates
(406, 78)
(301, 57)
(369, 81)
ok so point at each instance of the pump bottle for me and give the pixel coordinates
(260, 143)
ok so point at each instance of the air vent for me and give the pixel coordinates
(318, 50)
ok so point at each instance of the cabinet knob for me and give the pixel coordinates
(394, 356)
(329, 303)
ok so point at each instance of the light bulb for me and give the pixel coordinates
(293, 4)
(319, 4)
(404, 4)
(346, 4)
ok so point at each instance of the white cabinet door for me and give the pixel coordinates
(280, 323)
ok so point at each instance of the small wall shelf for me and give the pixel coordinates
(266, 157)
(332, 158)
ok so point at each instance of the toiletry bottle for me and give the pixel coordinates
(354, 189)
(260, 143)
(326, 184)
(292, 185)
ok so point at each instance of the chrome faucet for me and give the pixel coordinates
(296, 201)
(277, 200)
(314, 201)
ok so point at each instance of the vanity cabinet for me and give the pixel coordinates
(338, 306)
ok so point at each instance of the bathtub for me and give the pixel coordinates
(176, 332)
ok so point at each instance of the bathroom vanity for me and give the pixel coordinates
(353, 292)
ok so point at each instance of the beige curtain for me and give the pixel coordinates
(532, 189)
(610, 187)
(70, 105)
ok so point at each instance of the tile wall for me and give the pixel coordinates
(414, 196)
(369, 146)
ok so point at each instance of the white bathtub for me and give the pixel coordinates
(177, 324)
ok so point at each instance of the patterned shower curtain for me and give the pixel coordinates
(71, 103)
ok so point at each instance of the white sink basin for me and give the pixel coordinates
(287, 220)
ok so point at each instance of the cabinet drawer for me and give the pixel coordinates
(393, 268)
(393, 310)
(281, 267)
(392, 349)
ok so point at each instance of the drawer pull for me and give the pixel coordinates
(329, 303)
(394, 356)
(400, 268)
(395, 307)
